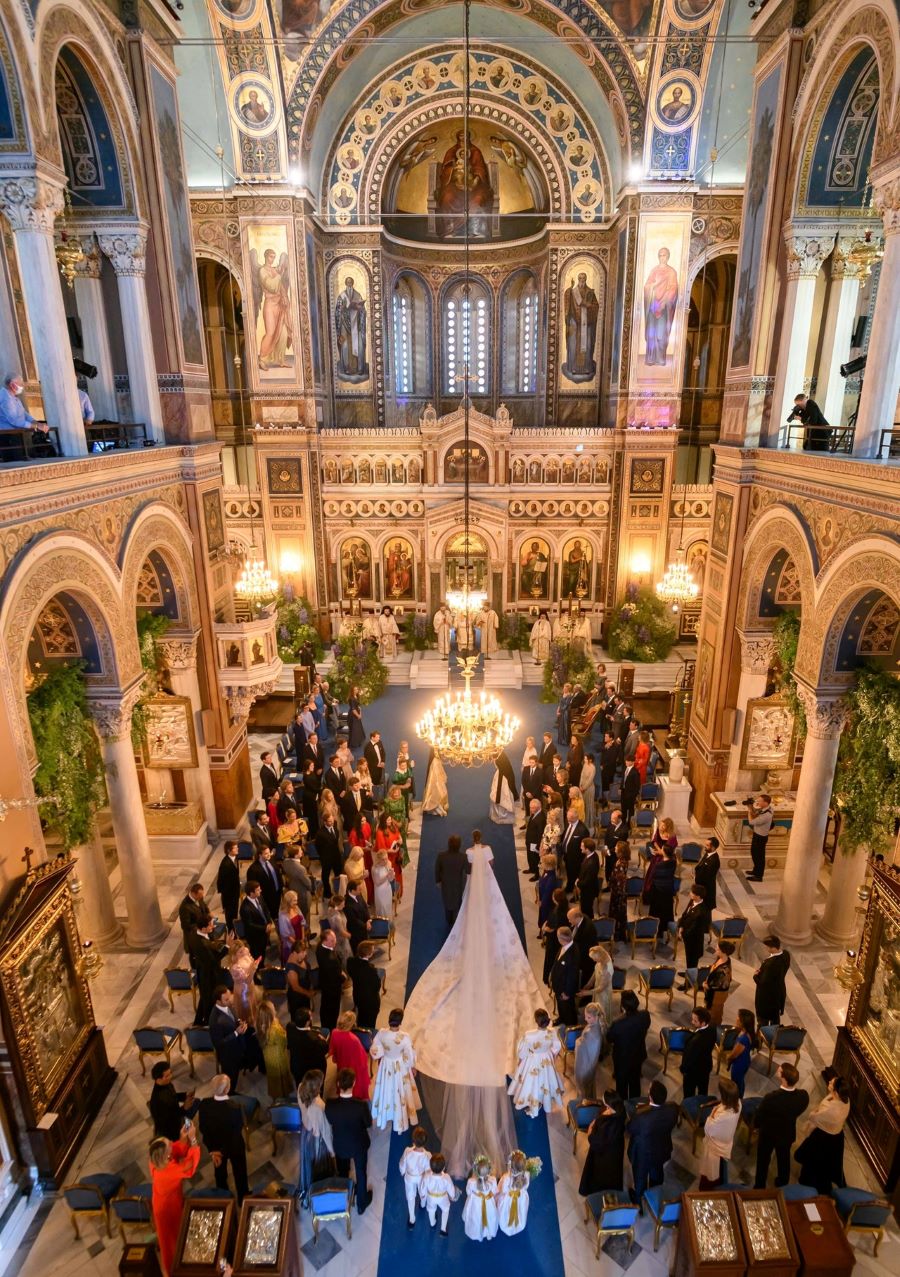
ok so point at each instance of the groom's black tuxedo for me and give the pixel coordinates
(450, 871)
(565, 981)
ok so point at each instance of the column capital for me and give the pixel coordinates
(805, 252)
(842, 265)
(126, 248)
(240, 699)
(178, 652)
(757, 652)
(31, 201)
(826, 712)
(90, 264)
(112, 715)
(886, 198)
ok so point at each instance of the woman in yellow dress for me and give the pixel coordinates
(273, 1040)
(292, 829)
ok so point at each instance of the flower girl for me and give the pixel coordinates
(512, 1196)
(480, 1210)
(536, 1083)
(395, 1098)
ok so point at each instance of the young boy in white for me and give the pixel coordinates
(437, 1191)
(415, 1162)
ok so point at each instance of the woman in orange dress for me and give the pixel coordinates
(389, 838)
(170, 1165)
(642, 756)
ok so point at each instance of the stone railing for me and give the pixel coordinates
(248, 662)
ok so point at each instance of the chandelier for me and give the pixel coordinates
(864, 253)
(466, 600)
(464, 730)
(677, 586)
(68, 250)
(256, 583)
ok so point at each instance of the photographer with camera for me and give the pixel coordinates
(759, 817)
(808, 412)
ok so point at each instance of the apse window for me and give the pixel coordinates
(528, 345)
(403, 367)
(465, 344)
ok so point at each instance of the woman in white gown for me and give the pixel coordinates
(436, 799)
(512, 1194)
(480, 1211)
(536, 1084)
(382, 877)
(504, 794)
(395, 1099)
(465, 1017)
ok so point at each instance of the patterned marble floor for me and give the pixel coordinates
(129, 993)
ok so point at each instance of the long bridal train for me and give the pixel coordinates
(466, 1016)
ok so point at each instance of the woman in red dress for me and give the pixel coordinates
(642, 756)
(348, 1052)
(361, 836)
(390, 839)
(170, 1165)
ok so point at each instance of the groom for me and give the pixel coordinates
(450, 871)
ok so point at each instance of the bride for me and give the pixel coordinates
(466, 1016)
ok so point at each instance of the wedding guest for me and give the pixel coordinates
(610, 758)
(821, 1153)
(570, 846)
(630, 789)
(480, 1208)
(618, 890)
(309, 797)
(350, 1121)
(345, 1048)
(616, 832)
(228, 1034)
(588, 881)
(222, 1128)
(366, 985)
(268, 775)
(693, 925)
(291, 924)
(556, 919)
(206, 959)
(331, 980)
(169, 1109)
(316, 1143)
(307, 1046)
(575, 760)
(776, 1122)
(718, 1136)
(706, 871)
(273, 1040)
(402, 782)
(337, 920)
(366, 787)
(536, 1084)
(718, 981)
(382, 877)
(741, 1054)
(395, 1099)
(587, 784)
(547, 885)
(356, 911)
(354, 720)
(599, 986)
(392, 839)
(552, 835)
(329, 845)
(243, 967)
(696, 1058)
(285, 801)
(170, 1165)
(650, 1139)
(760, 817)
(769, 977)
(562, 714)
(588, 1050)
(191, 912)
(298, 978)
(375, 757)
(437, 1191)
(565, 977)
(603, 1168)
(512, 1194)
(228, 883)
(256, 920)
(628, 1037)
(642, 755)
(264, 872)
(415, 1161)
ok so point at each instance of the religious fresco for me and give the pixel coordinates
(181, 247)
(755, 216)
(534, 569)
(581, 292)
(349, 310)
(271, 322)
(658, 320)
(693, 10)
(839, 153)
(399, 569)
(243, 34)
(577, 568)
(677, 101)
(455, 464)
(253, 103)
(355, 560)
(312, 293)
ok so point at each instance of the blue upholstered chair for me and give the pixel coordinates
(245, 851)
(690, 852)
(180, 982)
(250, 1107)
(748, 1116)
(693, 978)
(273, 979)
(725, 1040)
(568, 1036)
(643, 931)
(862, 1212)
(798, 1192)
(605, 929)
(664, 1211)
(733, 929)
(198, 1043)
(672, 1042)
(579, 1115)
(659, 979)
(618, 980)
(132, 1209)
(91, 1195)
(644, 818)
(634, 889)
(613, 1215)
(156, 1041)
(382, 929)
(285, 1118)
(785, 1039)
(331, 1199)
(672, 936)
(695, 1110)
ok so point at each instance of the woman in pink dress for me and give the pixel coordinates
(243, 969)
(291, 924)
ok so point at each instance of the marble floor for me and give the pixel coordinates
(129, 993)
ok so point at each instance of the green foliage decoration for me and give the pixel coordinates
(867, 777)
(419, 635)
(515, 631)
(786, 637)
(567, 663)
(641, 627)
(356, 664)
(294, 628)
(70, 764)
(150, 629)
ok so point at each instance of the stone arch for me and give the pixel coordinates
(778, 528)
(495, 552)
(870, 564)
(22, 101)
(156, 527)
(728, 248)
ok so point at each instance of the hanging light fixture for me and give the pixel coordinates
(68, 249)
(465, 730)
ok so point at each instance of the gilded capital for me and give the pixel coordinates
(843, 266)
(90, 264)
(886, 199)
(126, 250)
(826, 713)
(241, 698)
(757, 653)
(31, 203)
(112, 715)
(805, 254)
(178, 653)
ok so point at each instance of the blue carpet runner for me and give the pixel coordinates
(538, 1250)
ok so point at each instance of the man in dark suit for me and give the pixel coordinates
(331, 858)
(584, 937)
(696, 1058)
(256, 920)
(333, 778)
(222, 1130)
(206, 958)
(307, 1047)
(191, 912)
(375, 757)
(228, 883)
(632, 739)
(263, 871)
(261, 835)
(352, 802)
(268, 775)
(350, 1121)
(357, 914)
(706, 871)
(315, 754)
(589, 878)
(565, 977)
(228, 1035)
(650, 1146)
(771, 993)
(631, 788)
(545, 758)
(693, 925)
(570, 846)
(610, 757)
(298, 735)
(450, 872)
(534, 832)
(169, 1109)
(776, 1122)
(366, 985)
(331, 980)
(627, 1036)
(817, 436)
(289, 799)
(616, 832)
(532, 779)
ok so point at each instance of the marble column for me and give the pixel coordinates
(31, 204)
(95, 332)
(97, 914)
(825, 718)
(804, 260)
(126, 249)
(840, 923)
(757, 655)
(845, 281)
(179, 656)
(145, 927)
(881, 380)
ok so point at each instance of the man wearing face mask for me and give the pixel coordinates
(14, 416)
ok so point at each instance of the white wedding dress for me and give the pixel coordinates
(466, 1016)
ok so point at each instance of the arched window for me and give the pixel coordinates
(410, 338)
(528, 343)
(403, 364)
(466, 340)
(520, 340)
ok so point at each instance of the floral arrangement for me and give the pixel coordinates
(786, 637)
(295, 629)
(356, 664)
(419, 634)
(641, 628)
(567, 663)
(867, 778)
(534, 1166)
(515, 631)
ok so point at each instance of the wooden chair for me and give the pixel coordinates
(180, 981)
(91, 1195)
(613, 1214)
(786, 1039)
(643, 931)
(153, 1041)
(133, 1210)
(733, 929)
(659, 979)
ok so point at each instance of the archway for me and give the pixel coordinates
(222, 311)
(460, 548)
(706, 356)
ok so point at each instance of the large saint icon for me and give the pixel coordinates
(580, 310)
(350, 329)
(660, 300)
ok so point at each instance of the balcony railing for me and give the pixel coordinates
(248, 662)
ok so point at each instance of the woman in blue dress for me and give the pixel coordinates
(742, 1051)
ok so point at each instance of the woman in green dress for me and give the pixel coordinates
(403, 780)
(395, 805)
(273, 1040)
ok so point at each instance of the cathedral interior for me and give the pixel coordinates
(391, 299)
